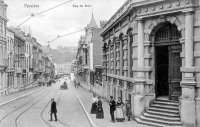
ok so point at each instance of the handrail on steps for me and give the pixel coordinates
(147, 93)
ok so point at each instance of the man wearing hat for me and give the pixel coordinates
(112, 104)
(128, 109)
(53, 109)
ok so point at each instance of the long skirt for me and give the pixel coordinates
(100, 114)
(120, 115)
(93, 108)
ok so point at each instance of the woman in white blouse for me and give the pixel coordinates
(94, 104)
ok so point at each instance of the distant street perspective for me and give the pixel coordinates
(100, 63)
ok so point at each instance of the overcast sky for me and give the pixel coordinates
(59, 21)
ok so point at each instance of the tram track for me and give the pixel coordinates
(20, 107)
(58, 120)
(17, 118)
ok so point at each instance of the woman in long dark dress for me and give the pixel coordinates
(94, 104)
(120, 114)
(99, 114)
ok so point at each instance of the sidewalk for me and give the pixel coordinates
(86, 96)
(5, 98)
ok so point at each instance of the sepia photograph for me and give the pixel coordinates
(99, 63)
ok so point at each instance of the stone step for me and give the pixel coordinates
(153, 124)
(144, 118)
(166, 118)
(164, 110)
(166, 100)
(166, 103)
(165, 106)
(162, 113)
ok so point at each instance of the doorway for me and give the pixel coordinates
(162, 62)
(167, 62)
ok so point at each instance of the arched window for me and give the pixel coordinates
(130, 42)
(168, 32)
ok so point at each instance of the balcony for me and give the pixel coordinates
(3, 62)
(18, 70)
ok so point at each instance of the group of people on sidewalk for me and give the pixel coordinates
(97, 107)
(117, 107)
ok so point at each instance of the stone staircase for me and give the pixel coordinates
(161, 113)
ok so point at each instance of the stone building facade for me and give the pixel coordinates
(151, 51)
(19, 59)
(11, 63)
(89, 58)
(3, 48)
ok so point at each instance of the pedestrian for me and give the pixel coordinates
(120, 114)
(78, 84)
(99, 114)
(94, 104)
(112, 104)
(128, 109)
(53, 109)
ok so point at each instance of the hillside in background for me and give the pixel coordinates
(63, 54)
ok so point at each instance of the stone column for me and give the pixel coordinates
(140, 48)
(188, 116)
(126, 50)
(117, 90)
(189, 52)
(140, 81)
(109, 70)
(125, 91)
(111, 87)
(114, 50)
(129, 57)
(107, 92)
(121, 57)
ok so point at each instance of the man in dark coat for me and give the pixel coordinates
(53, 109)
(112, 108)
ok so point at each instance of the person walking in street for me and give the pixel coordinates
(112, 108)
(99, 114)
(53, 109)
(120, 114)
(75, 83)
(94, 104)
(128, 109)
(78, 84)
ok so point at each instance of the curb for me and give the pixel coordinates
(20, 97)
(92, 124)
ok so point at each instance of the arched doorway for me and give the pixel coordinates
(167, 61)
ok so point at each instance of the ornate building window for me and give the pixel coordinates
(130, 42)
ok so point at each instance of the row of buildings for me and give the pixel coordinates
(147, 52)
(22, 59)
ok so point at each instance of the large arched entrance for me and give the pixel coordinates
(167, 61)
